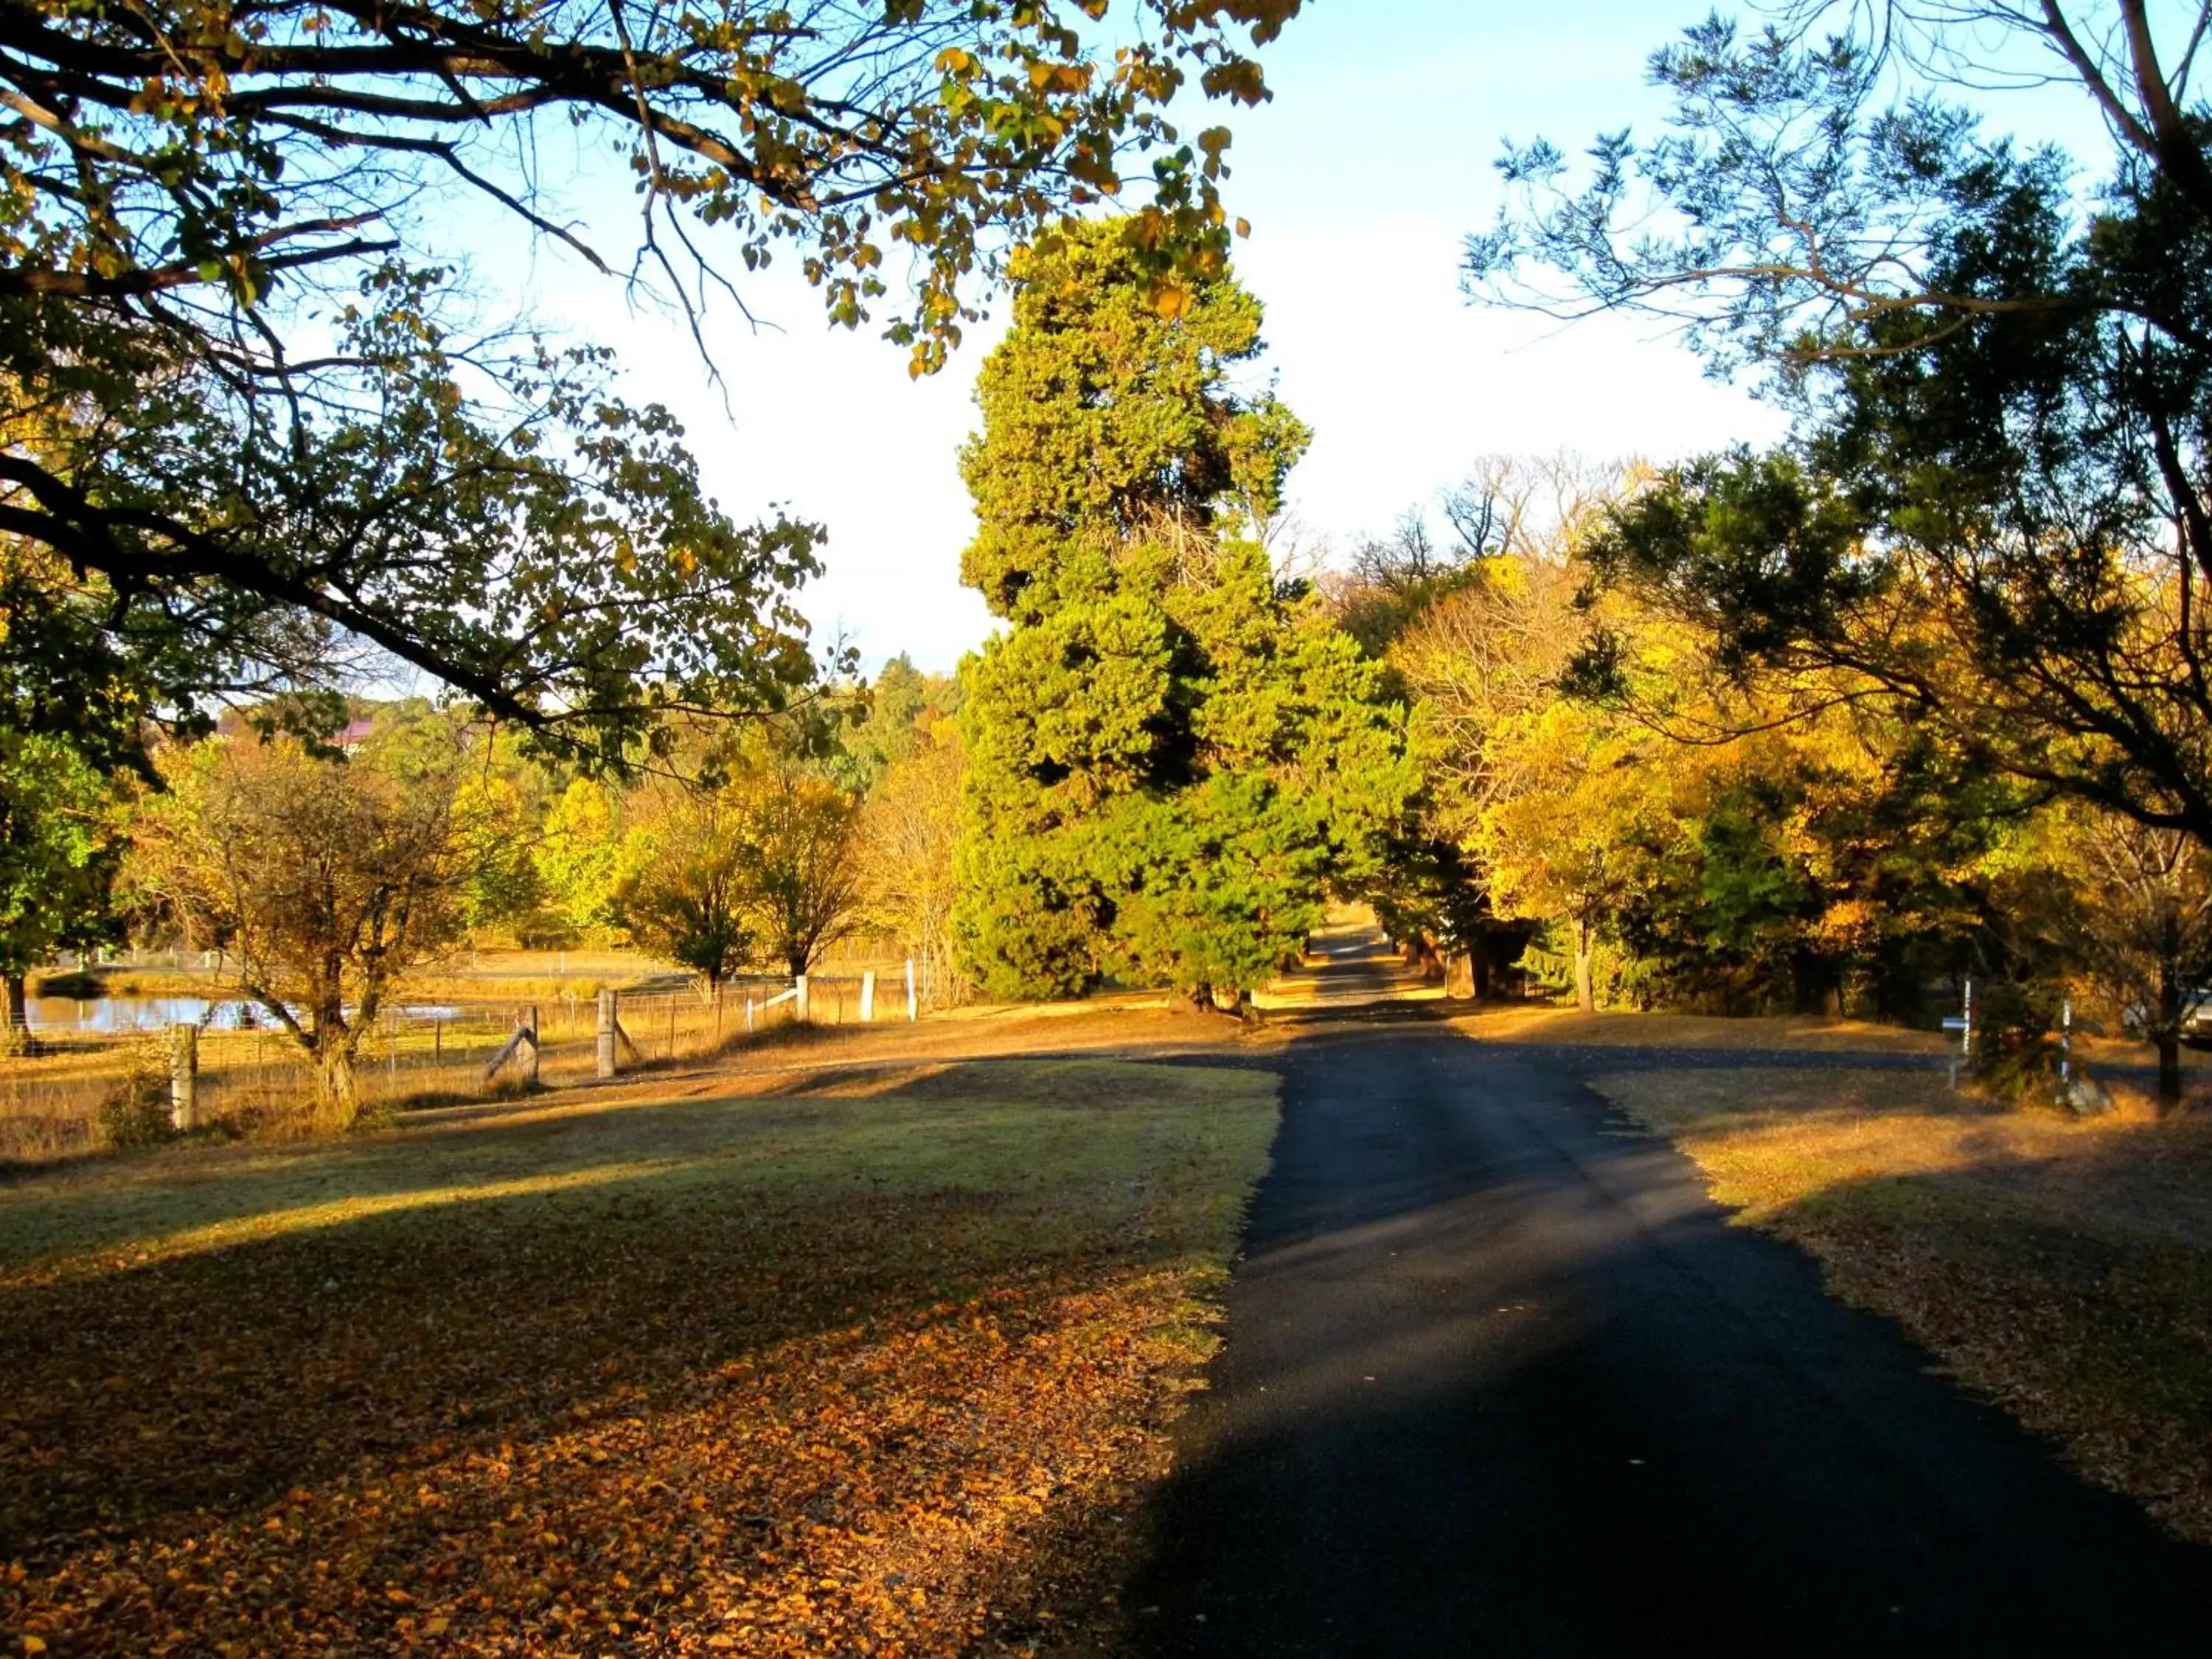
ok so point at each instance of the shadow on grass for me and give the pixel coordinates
(795, 1308)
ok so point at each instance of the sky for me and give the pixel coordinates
(1360, 179)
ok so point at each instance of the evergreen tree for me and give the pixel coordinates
(1170, 754)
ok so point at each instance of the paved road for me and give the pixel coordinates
(1500, 1381)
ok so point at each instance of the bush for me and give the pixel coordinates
(136, 1111)
(2015, 1055)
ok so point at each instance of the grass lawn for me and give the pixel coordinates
(2062, 1267)
(870, 1362)
(1567, 1025)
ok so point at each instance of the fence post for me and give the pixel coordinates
(913, 1011)
(868, 997)
(183, 1075)
(606, 1033)
(804, 1010)
(537, 1045)
(749, 1016)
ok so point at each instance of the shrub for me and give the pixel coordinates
(2015, 1055)
(136, 1111)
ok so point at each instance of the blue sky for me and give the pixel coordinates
(1359, 180)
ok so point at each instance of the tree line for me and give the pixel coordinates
(324, 873)
(1916, 692)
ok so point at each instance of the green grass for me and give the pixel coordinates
(925, 1314)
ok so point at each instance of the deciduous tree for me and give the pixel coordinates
(579, 857)
(324, 881)
(910, 834)
(57, 842)
(764, 866)
(2141, 926)
(688, 889)
(802, 844)
(245, 410)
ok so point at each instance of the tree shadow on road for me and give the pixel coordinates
(1499, 1378)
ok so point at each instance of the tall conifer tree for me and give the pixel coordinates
(1171, 753)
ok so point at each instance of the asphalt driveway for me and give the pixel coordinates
(1499, 1380)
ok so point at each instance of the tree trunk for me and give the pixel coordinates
(1459, 973)
(2169, 1009)
(1585, 991)
(2169, 1070)
(19, 1007)
(337, 1089)
(1201, 998)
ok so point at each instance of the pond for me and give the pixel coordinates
(121, 1014)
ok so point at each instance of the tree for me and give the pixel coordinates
(763, 866)
(1992, 511)
(687, 892)
(247, 420)
(1717, 845)
(892, 727)
(2143, 926)
(1561, 839)
(325, 882)
(1505, 507)
(802, 834)
(910, 832)
(492, 817)
(1480, 653)
(579, 858)
(496, 800)
(1168, 754)
(56, 856)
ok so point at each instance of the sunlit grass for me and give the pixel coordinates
(799, 1362)
(1535, 1022)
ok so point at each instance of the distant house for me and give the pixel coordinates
(355, 734)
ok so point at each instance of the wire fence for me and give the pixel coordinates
(66, 1092)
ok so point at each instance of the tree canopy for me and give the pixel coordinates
(1992, 507)
(251, 426)
(59, 844)
(1169, 753)
(324, 881)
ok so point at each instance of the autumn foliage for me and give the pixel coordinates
(866, 1367)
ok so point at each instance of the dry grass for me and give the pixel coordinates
(2062, 1266)
(1812, 1034)
(466, 975)
(795, 1363)
(1570, 1027)
(258, 1083)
